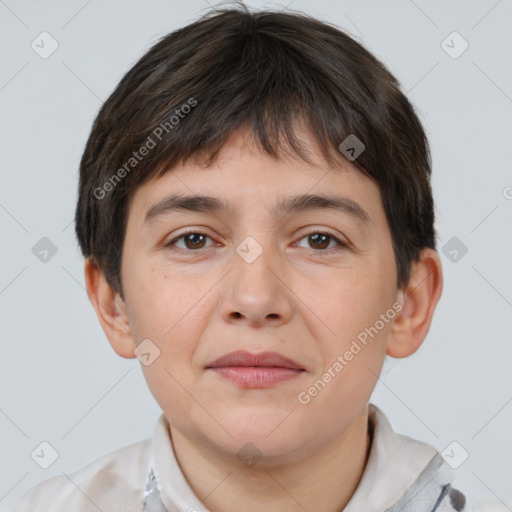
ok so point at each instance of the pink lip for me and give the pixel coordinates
(261, 370)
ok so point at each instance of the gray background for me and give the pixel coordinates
(61, 382)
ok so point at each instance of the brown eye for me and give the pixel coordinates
(192, 240)
(320, 241)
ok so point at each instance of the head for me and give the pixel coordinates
(230, 129)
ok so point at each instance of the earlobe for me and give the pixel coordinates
(110, 310)
(419, 300)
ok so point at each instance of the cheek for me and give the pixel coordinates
(169, 311)
(160, 300)
(353, 349)
(352, 309)
(352, 303)
(172, 310)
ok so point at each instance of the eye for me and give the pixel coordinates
(321, 240)
(192, 240)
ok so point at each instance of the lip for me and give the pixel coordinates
(262, 370)
(263, 359)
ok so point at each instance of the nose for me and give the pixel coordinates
(256, 291)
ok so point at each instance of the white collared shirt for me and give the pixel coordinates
(398, 467)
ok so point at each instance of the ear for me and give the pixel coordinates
(110, 309)
(419, 301)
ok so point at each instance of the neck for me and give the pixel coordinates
(323, 481)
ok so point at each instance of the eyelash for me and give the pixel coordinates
(341, 245)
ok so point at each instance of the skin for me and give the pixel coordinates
(301, 298)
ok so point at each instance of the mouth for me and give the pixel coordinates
(262, 370)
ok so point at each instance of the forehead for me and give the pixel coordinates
(244, 176)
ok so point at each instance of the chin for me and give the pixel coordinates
(264, 434)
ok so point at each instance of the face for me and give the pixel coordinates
(308, 284)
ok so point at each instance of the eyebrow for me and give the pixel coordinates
(284, 206)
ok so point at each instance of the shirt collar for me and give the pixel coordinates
(395, 461)
(175, 492)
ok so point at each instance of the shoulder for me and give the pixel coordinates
(115, 481)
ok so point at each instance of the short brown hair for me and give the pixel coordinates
(265, 71)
